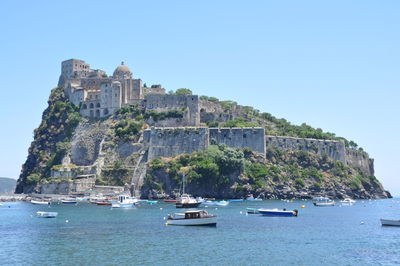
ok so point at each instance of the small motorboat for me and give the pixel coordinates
(236, 200)
(278, 212)
(187, 201)
(103, 203)
(386, 222)
(222, 203)
(251, 198)
(323, 202)
(124, 201)
(252, 210)
(192, 218)
(41, 214)
(40, 202)
(208, 203)
(347, 201)
(171, 200)
(69, 201)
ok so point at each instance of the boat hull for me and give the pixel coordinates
(266, 212)
(40, 202)
(324, 204)
(209, 221)
(46, 214)
(188, 205)
(386, 222)
(122, 205)
(252, 211)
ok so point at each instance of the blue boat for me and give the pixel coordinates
(277, 212)
(236, 200)
(252, 210)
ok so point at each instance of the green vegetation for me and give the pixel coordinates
(158, 116)
(239, 122)
(128, 129)
(117, 175)
(183, 91)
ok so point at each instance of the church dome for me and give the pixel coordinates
(122, 71)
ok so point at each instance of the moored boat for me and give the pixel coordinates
(251, 198)
(170, 200)
(192, 218)
(347, 201)
(387, 222)
(323, 202)
(278, 212)
(103, 203)
(69, 201)
(40, 202)
(222, 203)
(187, 201)
(125, 201)
(236, 200)
(46, 214)
(252, 210)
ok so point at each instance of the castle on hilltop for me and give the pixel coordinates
(100, 95)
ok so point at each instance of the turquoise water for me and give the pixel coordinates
(97, 235)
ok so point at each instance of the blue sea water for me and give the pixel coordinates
(99, 235)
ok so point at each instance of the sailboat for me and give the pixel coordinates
(185, 200)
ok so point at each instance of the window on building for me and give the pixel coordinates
(98, 105)
(97, 113)
(91, 105)
(91, 113)
(105, 111)
(84, 106)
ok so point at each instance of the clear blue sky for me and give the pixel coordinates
(331, 64)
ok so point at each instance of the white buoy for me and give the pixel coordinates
(216, 208)
(66, 221)
(362, 223)
(160, 208)
(164, 218)
(241, 212)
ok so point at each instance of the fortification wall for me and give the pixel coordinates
(163, 103)
(361, 160)
(334, 149)
(67, 187)
(253, 138)
(214, 111)
(168, 142)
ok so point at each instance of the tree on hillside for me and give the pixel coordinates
(183, 91)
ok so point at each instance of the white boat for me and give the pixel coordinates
(40, 202)
(208, 203)
(46, 214)
(251, 198)
(192, 218)
(347, 201)
(124, 201)
(278, 212)
(187, 201)
(69, 201)
(323, 202)
(390, 222)
(222, 203)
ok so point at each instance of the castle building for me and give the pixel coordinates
(100, 95)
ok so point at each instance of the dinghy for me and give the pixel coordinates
(278, 212)
(386, 222)
(41, 214)
(192, 218)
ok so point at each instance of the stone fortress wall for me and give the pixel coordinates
(253, 138)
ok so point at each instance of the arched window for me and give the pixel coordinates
(105, 112)
(91, 113)
(97, 113)
(91, 105)
(84, 106)
(98, 105)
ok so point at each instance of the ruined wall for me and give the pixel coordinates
(86, 141)
(168, 142)
(334, 149)
(361, 160)
(253, 138)
(67, 187)
(163, 103)
(215, 112)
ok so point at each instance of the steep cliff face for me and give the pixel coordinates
(223, 172)
(51, 140)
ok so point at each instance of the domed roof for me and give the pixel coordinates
(121, 70)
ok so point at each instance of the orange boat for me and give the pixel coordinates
(103, 203)
(171, 200)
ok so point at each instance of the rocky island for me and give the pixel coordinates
(106, 134)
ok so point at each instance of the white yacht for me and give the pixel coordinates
(195, 217)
